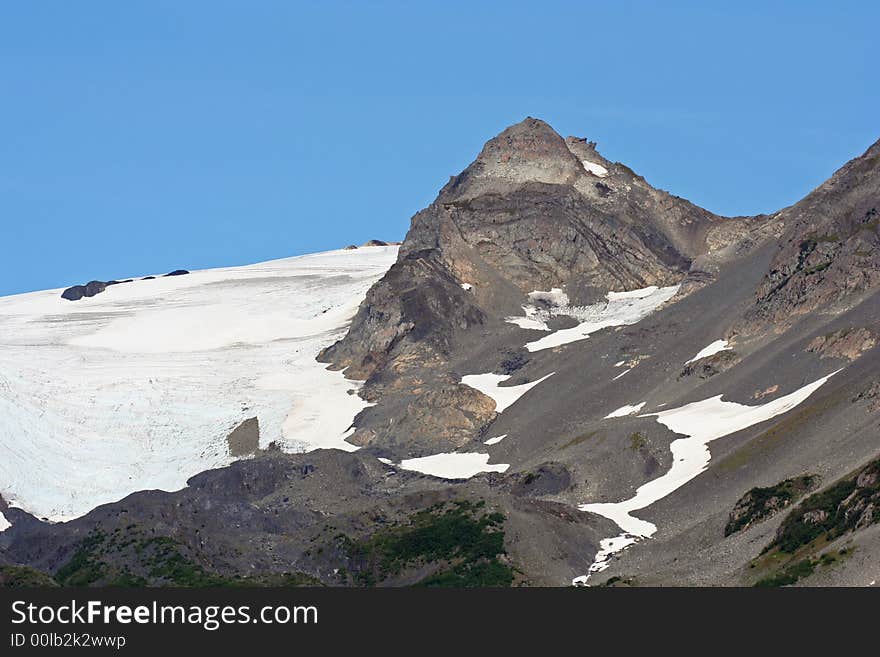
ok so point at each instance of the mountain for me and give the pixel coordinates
(563, 375)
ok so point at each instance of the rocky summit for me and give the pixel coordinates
(563, 375)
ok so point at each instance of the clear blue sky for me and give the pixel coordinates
(139, 137)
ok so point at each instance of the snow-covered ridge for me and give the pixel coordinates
(139, 386)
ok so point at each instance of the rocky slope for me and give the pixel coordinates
(828, 256)
(519, 323)
(534, 211)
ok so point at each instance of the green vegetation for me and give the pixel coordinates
(850, 503)
(832, 512)
(760, 503)
(19, 577)
(84, 567)
(815, 270)
(465, 542)
(483, 574)
(789, 575)
(637, 441)
(800, 569)
(130, 559)
(797, 530)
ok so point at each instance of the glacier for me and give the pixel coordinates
(138, 387)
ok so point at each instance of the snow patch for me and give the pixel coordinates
(4, 523)
(700, 422)
(504, 396)
(595, 168)
(621, 374)
(496, 440)
(620, 309)
(454, 465)
(710, 350)
(608, 547)
(467, 287)
(623, 411)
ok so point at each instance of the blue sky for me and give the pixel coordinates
(140, 137)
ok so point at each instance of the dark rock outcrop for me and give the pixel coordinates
(78, 292)
(177, 272)
(709, 366)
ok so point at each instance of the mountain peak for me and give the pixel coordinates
(528, 151)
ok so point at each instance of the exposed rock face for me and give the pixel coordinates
(871, 394)
(529, 213)
(534, 211)
(177, 272)
(711, 365)
(845, 343)
(412, 312)
(525, 215)
(829, 255)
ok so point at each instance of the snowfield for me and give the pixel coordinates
(619, 309)
(139, 386)
(700, 422)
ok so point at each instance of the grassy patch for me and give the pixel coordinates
(798, 570)
(790, 574)
(637, 441)
(130, 559)
(466, 542)
(24, 577)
